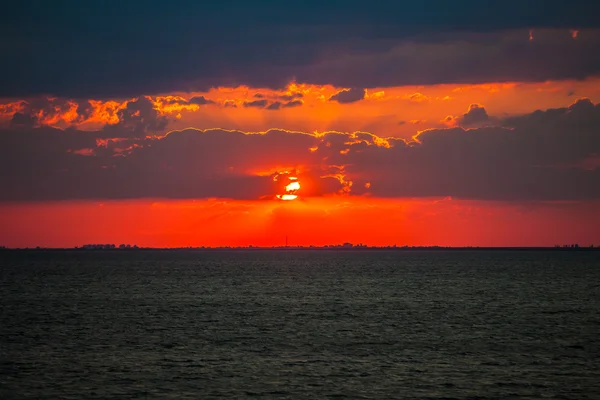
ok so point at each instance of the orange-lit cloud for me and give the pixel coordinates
(417, 97)
(383, 111)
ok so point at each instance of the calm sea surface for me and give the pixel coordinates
(300, 324)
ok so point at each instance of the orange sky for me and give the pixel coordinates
(394, 112)
(317, 221)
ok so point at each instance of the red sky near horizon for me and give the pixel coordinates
(502, 162)
(315, 221)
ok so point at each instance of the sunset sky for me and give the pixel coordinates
(179, 123)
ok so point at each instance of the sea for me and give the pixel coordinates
(287, 324)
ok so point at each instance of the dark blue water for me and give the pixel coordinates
(351, 324)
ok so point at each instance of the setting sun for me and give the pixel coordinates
(292, 186)
(290, 189)
(287, 197)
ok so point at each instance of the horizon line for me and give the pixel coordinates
(110, 247)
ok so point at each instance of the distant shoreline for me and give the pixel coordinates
(294, 248)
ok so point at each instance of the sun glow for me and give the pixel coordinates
(287, 197)
(292, 187)
(290, 190)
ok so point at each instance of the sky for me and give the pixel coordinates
(174, 124)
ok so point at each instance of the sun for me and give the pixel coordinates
(290, 190)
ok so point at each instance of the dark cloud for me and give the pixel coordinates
(22, 120)
(82, 49)
(562, 136)
(84, 110)
(200, 100)
(293, 103)
(538, 156)
(465, 58)
(256, 103)
(187, 164)
(545, 155)
(476, 115)
(138, 119)
(277, 104)
(349, 95)
(290, 97)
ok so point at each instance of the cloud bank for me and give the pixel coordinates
(208, 45)
(545, 155)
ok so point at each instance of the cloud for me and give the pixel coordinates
(138, 119)
(154, 113)
(542, 156)
(10, 108)
(290, 97)
(277, 104)
(84, 111)
(417, 98)
(23, 120)
(142, 114)
(200, 100)
(256, 103)
(463, 58)
(348, 95)
(476, 115)
(293, 103)
(389, 44)
(46, 111)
